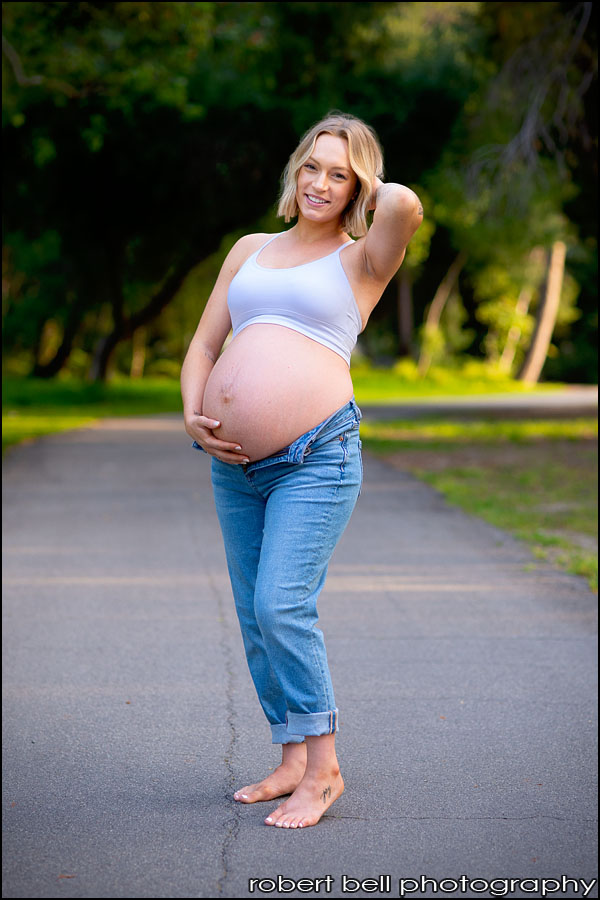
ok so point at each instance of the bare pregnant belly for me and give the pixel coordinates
(271, 385)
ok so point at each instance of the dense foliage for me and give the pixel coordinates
(140, 139)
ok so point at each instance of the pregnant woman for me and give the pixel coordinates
(276, 412)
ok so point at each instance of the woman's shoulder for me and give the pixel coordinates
(242, 250)
(250, 243)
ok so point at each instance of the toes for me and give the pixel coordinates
(289, 821)
(275, 818)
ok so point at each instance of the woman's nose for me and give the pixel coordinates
(321, 181)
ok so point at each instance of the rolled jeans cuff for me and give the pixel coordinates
(312, 724)
(280, 735)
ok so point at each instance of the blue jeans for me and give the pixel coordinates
(281, 518)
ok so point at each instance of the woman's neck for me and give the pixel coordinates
(313, 233)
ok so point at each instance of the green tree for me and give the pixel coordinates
(510, 173)
(140, 137)
(136, 183)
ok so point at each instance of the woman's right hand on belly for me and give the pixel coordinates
(201, 428)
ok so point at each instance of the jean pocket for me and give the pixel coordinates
(351, 444)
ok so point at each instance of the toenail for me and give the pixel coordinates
(278, 824)
(269, 819)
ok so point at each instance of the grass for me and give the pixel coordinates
(536, 479)
(444, 433)
(402, 382)
(35, 407)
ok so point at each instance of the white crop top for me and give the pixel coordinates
(314, 298)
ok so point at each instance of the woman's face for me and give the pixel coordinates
(326, 181)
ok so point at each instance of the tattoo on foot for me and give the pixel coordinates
(326, 793)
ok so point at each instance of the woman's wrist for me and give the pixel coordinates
(190, 413)
(377, 185)
(395, 197)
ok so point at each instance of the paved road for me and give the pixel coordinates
(463, 673)
(572, 402)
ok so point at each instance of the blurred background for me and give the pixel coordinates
(142, 139)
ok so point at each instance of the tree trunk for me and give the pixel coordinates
(404, 304)
(507, 358)
(125, 327)
(434, 313)
(105, 345)
(138, 353)
(102, 353)
(53, 366)
(546, 316)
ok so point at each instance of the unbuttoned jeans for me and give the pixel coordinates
(281, 518)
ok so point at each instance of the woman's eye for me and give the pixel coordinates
(338, 175)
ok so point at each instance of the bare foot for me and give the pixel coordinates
(284, 780)
(312, 797)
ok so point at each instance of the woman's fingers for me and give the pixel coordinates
(232, 453)
(224, 450)
(214, 443)
(208, 423)
(234, 458)
(201, 428)
(217, 444)
(228, 451)
(228, 455)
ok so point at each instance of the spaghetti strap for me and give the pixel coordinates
(262, 246)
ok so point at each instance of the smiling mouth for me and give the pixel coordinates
(317, 200)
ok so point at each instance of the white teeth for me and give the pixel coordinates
(315, 199)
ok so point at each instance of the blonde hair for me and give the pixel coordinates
(366, 160)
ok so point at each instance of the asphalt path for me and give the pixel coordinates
(464, 674)
(574, 401)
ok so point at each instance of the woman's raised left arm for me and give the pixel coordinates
(397, 215)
